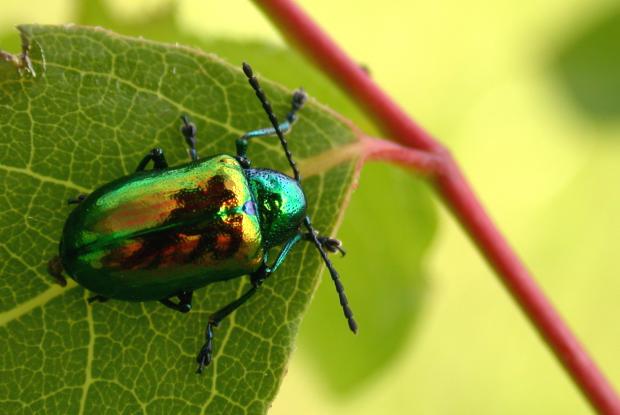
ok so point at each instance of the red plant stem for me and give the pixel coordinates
(455, 190)
(421, 162)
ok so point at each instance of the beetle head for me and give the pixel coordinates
(281, 204)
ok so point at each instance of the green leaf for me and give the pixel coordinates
(343, 368)
(276, 62)
(588, 65)
(82, 110)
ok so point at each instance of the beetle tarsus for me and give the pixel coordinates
(332, 245)
(188, 129)
(297, 103)
(205, 356)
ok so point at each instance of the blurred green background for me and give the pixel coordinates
(527, 96)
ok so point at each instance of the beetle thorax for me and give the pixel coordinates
(281, 204)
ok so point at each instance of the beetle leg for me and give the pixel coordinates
(284, 252)
(299, 97)
(206, 352)
(183, 306)
(159, 160)
(97, 297)
(54, 268)
(205, 355)
(189, 132)
(77, 200)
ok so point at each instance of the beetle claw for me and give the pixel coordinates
(205, 355)
(332, 245)
(203, 359)
(299, 99)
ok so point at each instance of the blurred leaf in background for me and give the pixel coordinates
(588, 66)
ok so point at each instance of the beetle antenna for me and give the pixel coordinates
(297, 101)
(344, 303)
(247, 70)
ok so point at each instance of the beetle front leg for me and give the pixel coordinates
(297, 102)
(205, 355)
(206, 352)
(243, 142)
(158, 158)
(189, 132)
(183, 306)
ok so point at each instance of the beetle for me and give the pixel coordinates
(162, 233)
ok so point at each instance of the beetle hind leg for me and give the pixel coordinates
(183, 306)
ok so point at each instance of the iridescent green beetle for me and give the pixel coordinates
(162, 233)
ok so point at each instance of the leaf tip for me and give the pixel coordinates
(21, 61)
